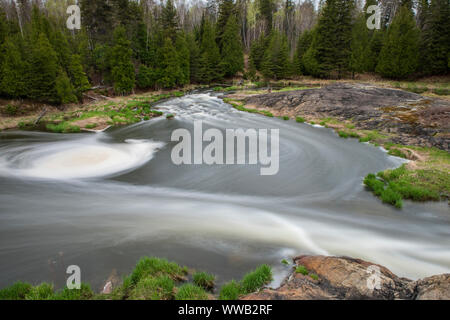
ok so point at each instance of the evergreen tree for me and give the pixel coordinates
(232, 53)
(65, 92)
(96, 16)
(12, 70)
(169, 20)
(210, 54)
(275, 62)
(399, 55)
(77, 75)
(331, 46)
(183, 59)
(435, 39)
(303, 44)
(373, 50)
(360, 43)
(226, 9)
(43, 71)
(196, 65)
(170, 67)
(122, 68)
(257, 50)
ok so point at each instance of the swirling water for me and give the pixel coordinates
(101, 201)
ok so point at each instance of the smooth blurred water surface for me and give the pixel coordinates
(101, 201)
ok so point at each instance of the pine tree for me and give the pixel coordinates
(183, 53)
(360, 43)
(96, 17)
(77, 75)
(122, 68)
(196, 66)
(170, 67)
(331, 46)
(275, 62)
(210, 54)
(169, 20)
(303, 44)
(435, 38)
(257, 50)
(399, 55)
(65, 92)
(373, 50)
(226, 9)
(12, 70)
(232, 53)
(43, 71)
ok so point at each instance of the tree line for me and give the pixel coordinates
(132, 44)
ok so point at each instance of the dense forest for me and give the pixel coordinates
(128, 44)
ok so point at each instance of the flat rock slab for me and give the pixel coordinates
(411, 118)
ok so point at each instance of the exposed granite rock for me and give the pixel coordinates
(413, 119)
(345, 278)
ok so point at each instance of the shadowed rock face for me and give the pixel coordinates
(346, 278)
(411, 118)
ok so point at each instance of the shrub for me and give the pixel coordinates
(204, 280)
(230, 291)
(170, 116)
(300, 120)
(11, 110)
(191, 292)
(286, 118)
(17, 291)
(285, 262)
(255, 280)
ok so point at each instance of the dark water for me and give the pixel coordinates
(101, 201)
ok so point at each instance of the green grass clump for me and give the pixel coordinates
(230, 291)
(154, 288)
(397, 153)
(314, 276)
(286, 118)
(17, 291)
(91, 126)
(63, 127)
(155, 267)
(170, 116)
(252, 281)
(300, 120)
(256, 279)
(441, 91)
(285, 262)
(43, 291)
(343, 134)
(302, 270)
(191, 292)
(204, 280)
(84, 293)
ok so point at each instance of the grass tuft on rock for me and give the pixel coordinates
(190, 291)
(204, 280)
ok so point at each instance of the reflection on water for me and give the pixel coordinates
(101, 201)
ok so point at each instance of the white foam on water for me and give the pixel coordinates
(83, 159)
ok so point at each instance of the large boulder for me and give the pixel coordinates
(345, 278)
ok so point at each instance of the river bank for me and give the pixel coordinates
(407, 125)
(310, 278)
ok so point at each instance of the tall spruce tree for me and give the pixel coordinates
(13, 68)
(360, 43)
(122, 68)
(210, 53)
(435, 37)
(275, 62)
(329, 54)
(399, 55)
(232, 52)
(226, 9)
(303, 44)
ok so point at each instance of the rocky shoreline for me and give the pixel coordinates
(408, 118)
(344, 278)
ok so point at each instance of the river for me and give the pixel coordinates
(102, 200)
